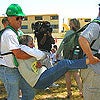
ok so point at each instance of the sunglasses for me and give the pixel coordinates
(20, 17)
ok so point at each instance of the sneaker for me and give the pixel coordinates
(47, 88)
(54, 85)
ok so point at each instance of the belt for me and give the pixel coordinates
(8, 67)
(6, 53)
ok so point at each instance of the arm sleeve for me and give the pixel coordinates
(91, 32)
(38, 54)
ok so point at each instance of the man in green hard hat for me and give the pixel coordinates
(9, 73)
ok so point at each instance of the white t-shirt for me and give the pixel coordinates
(9, 42)
(38, 54)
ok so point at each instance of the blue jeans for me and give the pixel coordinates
(54, 73)
(13, 81)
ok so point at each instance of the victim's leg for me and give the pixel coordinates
(53, 74)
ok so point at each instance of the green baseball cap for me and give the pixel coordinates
(14, 10)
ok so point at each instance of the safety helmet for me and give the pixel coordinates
(14, 10)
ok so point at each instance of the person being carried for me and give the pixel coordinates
(48, 76)
(5, 22)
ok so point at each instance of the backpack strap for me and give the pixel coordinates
(93, 43)
(96, 21)
(84, 27)
(10, 27)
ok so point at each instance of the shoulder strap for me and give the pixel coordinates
(84, 27)
(93, 43)
(10, 27)
(96, 21)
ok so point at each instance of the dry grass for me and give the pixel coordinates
(54, 93)
(59, 93)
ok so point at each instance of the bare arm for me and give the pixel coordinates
(21, 54)
(87, 50)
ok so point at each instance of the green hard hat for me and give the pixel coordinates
(14, 10)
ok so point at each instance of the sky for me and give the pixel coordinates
(64, 8)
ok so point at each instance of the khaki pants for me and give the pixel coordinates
(91, 84)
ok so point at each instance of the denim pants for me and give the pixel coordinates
(13, 81)
(54, 73)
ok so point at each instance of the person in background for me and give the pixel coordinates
(67, 47)
(53, 61)
(49, 75)
(45, 41)
(5, 22)
(53, 55)
(91, 75)
(27, 45)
